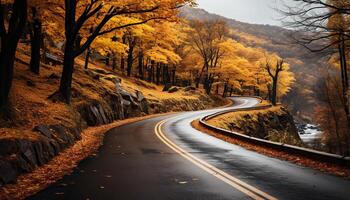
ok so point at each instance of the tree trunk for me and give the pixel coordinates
(274, 91)
(153, 73)
(67, 73)
(200, 76)
(44, 48)
(231, 91)
(158, 74)
(140, 65)
(345, 80)
(108, 57)
(36, 40)
(87, 57)
(225, 91)
(130, 60)
(174, 76)
(114, 62)
(9, 42)
(122, 63)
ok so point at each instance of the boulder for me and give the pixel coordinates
(173, 89)
(8, 146)
(66, 138)
(190, 88)
(8, 173)
(54, 76)
(142, 101)
(43, 130)
(167, 87)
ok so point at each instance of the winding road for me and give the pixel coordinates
(165, 158)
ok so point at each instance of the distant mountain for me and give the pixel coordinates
(277, 40)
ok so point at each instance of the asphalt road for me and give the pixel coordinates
(165, 158)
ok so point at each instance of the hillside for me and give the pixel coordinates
(41, 127)
(302, 99)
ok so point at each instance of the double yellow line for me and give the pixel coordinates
(247, 189)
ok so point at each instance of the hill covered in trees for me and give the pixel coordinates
(302, 99)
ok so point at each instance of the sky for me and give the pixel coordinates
(251, 11)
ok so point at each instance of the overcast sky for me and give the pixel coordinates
(251, 11)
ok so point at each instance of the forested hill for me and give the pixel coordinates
(276, 40)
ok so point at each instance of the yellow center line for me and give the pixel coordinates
(245, 188)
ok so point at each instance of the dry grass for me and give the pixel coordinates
(224, 121)
(63, 164)
(31, 106)
(329, 168)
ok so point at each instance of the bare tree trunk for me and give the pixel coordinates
(334, 116)
(158, 74)
(274, 91)
(130, 60)
(122, 63)
(9, 42)
(225, 90)
(140, 65)
(114, 61)
(67, 73)
(174, 76)
(36, 39)
(345, 79)
(87, 57)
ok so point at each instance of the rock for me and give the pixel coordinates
(44, 130)
(142, 101)
(8, 147)
(173, 89)
(54, 76)
(96, 77)
(115, 101)
(167, 87)
(102, 114)
(76, 133)
(29, 156)
(8, 173)
(30, 83)
(139, 95)
(190, 88)
(66, 138)
(97, 119)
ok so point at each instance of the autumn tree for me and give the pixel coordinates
(206, 37)
(79, 16)
(11, 30)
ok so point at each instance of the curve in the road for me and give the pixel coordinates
(133, 163)
(247, 189)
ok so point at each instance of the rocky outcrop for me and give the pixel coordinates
(275, 124)
(20, 156)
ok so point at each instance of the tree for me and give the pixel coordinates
(104, 19)
(206, 37)
(274, 72)
(323, 26)
(9, 38)
(35, 39)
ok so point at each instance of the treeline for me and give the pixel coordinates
(143, 39)
(323, 27)
(77, 23)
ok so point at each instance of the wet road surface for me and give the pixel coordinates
(171, 160)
